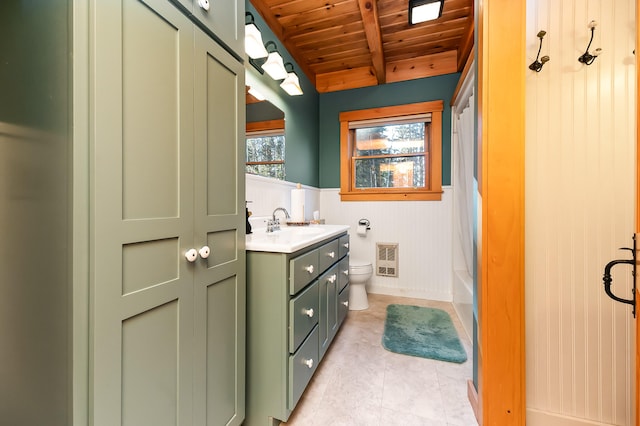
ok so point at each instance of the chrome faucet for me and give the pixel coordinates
(274, 224)
(286, 213)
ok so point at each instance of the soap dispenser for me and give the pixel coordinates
(246, 205)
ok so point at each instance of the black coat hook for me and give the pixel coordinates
(588, 58)
(538, 64)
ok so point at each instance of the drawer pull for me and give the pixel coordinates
(346, 272)
(308, 312)
(204, 4)
(346, 303)
(309, 269)
(332, 279)
(345, 245)
(331, 254)
(308, 362)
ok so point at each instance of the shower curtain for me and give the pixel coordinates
(463, 168)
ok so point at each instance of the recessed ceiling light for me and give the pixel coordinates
(424, 10)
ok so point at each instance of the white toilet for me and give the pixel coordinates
(360, 272)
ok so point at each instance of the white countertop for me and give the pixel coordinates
(291, 238)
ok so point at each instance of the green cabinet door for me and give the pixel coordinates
(220, 290)
(142, 214)
(167, 332)
(328, 308)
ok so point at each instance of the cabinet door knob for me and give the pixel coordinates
(346, 303)
(308, 362)
(332, 279)
(346, 272)
(331, 254)
(204, 252)
(345, 245)
(308, 312)
(191, 255)
(309, 269)
(204, 4)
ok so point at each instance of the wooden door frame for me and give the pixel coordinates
(637, 224)
(501, 139)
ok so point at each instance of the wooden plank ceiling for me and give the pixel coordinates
(345, 44)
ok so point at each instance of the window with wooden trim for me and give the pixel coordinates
(265, 148)
(392, 153)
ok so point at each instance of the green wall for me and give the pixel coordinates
(412, 91)
(301, 113)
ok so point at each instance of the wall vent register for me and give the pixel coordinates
(387, 259)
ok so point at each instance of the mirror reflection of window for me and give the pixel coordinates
(265, 153)
(265, 139)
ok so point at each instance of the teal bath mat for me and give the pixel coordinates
(423, 332)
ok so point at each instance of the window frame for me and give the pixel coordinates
(433, 157)
(264, 128)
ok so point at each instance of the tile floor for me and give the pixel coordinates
(361, 383)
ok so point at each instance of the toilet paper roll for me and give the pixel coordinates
(297, 205)
(362, 230)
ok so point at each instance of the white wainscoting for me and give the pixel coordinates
(423, 231)
(580, 152)
(266, 194)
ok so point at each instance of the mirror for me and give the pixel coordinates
(263, 111)
(265, 138)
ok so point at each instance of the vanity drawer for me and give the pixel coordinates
(343, 305)
(343, 243)
(302, 365)
(303, 315)
(328, 254)
(343, 273)
(303, 270)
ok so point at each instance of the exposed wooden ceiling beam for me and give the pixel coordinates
(345, 44)
(346, 79)
(371, 22)
(422, 66)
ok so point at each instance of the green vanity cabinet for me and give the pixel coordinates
(328, 283)
(167, 256)
(293, 314)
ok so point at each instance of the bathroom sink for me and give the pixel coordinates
(290, 238)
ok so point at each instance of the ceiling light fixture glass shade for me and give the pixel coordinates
(424, 10)
(253, 45)
(256, 94)
(274, 66)
(291, 84)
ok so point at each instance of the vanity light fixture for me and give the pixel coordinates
(253, 45)
(424, 10)
(274, 66)
(537, 64)
(291, 84)
(588, 58)
(256, 94)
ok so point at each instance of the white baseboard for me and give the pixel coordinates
(542, 418)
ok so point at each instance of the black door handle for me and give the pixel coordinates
(608, 280)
